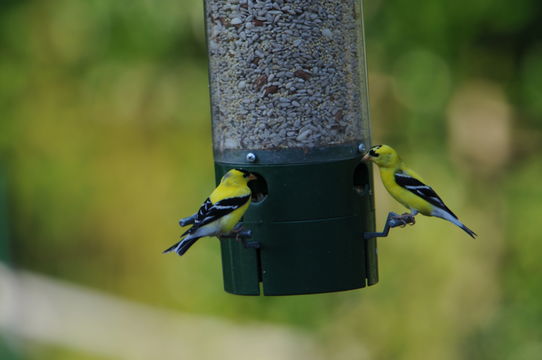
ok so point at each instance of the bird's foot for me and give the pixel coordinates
(401, 220)
(392, 221)
(409, 218)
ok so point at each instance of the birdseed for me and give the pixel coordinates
(286, 74)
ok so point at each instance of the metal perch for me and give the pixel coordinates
(188, 220)
(242, 235)
(238, 233)
(392, 221)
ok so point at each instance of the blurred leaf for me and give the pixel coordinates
(422, 81)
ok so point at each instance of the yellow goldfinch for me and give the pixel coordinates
(221, 212)
(408, 188)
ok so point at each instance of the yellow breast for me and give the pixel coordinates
(402, 195)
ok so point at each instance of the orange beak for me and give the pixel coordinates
(366, 158)
(252, 177)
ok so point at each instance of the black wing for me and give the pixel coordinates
(209, 212)
(424, 191)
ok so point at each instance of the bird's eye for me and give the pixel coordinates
(373, 153)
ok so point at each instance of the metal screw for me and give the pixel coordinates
(361, 148)
(251, 157)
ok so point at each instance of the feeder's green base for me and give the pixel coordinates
(310, 227)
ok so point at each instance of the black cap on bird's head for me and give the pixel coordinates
(382, 155)
(247, 174)
(238, 176)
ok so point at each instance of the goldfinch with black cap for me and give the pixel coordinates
(221, 212)
(408, 188)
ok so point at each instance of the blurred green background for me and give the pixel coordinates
(105, 142)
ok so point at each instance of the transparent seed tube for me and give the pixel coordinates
(286, 74)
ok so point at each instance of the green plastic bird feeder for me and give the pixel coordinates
(289, 102)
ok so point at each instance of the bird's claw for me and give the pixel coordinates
(401, 220)
(393, 220)
(409, 218)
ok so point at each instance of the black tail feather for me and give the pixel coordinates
(469, 231)
(182, 246)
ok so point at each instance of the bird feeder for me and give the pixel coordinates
(288, 88)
